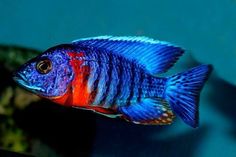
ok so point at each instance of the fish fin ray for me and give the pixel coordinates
(183, 90)
(154, 55)
(148, 112)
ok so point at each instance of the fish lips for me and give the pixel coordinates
(21, 79)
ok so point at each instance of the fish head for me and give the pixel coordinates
(47, 75)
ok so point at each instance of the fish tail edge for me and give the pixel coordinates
(183, 91)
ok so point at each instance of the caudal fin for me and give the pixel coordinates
(183, 90)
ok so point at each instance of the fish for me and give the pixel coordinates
(118, 77)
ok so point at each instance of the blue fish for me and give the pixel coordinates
(117, 77)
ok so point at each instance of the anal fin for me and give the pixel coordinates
(148, 112)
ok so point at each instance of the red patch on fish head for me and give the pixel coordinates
(77, 93)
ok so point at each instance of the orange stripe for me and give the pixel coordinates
(77, 94)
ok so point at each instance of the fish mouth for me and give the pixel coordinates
(21, 79)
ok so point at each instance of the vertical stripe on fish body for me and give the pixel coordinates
(122, 77)
(115, 81)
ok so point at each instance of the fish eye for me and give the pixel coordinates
(44, 66)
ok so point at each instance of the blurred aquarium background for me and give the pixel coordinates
(32, 126)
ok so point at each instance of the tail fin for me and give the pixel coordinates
(183, 90)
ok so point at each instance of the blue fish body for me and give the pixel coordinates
(119, 82)
(119, 77)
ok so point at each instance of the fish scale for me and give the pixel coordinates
(94, 74)
(103, 78)
(125, 86)
(112, 91)
(137, 86)
(119, 70)
(109, 78)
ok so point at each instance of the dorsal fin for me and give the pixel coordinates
(155, 56)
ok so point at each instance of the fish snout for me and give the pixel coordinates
(19, 78)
